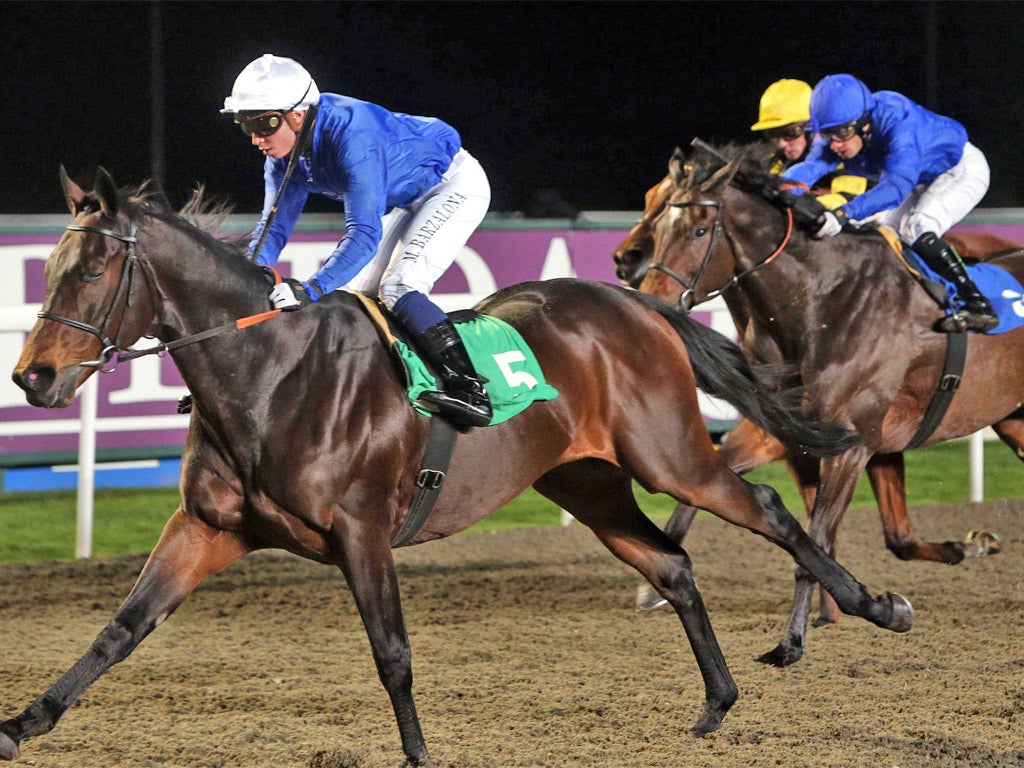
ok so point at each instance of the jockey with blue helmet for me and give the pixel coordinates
(929, 176)
(412, 197)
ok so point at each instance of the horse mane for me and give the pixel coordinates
(199, 218)
(700, 164)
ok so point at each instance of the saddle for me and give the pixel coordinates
(499, 354)
(494, 347)
(1004, 292)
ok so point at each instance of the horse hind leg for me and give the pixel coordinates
(1011, 431)
(601, 497)
(647, 597)
(886, 473)
(187, 552)
(759, 509)
(744, 448)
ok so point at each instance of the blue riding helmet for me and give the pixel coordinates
(838, 100)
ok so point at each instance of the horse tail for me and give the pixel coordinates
(722, 371)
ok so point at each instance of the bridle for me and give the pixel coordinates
(112, 350)
(717, 230)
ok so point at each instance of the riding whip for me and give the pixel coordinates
(293, 159)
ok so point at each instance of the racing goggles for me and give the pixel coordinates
(264, 125)
(843, 132)
(786, 132)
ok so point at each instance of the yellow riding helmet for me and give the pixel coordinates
(784, 102)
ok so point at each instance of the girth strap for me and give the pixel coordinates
(429, 480)
(949, 383)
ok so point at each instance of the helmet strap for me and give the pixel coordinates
(864, 126)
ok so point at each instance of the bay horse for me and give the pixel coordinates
(854, 325)
(302, 436)
(747, 447)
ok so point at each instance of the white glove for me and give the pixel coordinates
(282, 296)
(831, 224)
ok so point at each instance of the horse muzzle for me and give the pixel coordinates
(45, 388)
(631, 266)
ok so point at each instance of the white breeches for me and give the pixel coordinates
(937, 206)
(421, 241)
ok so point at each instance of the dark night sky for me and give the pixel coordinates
(589, 98)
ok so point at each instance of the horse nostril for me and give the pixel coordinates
(35, 378)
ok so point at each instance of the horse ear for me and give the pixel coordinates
(723, 177)
(106, 192)
(679, 167)
(73, 194)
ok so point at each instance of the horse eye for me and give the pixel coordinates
(700, 232)
(91, 277)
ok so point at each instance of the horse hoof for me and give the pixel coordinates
(8, 747)
(647, 598)
(781, 656)
(710, 721)
(982, 543)
(902, 613)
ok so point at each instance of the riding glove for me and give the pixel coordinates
(831, 223)
(289, 295)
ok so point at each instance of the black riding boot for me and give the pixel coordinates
(977, 314)
(464, 398)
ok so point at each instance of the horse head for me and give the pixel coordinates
(690, 248)
(94, 304)
(633, 255)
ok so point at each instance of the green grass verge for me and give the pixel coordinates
(41, 526)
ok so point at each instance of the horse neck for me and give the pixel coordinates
(780, 274)
(197, 286)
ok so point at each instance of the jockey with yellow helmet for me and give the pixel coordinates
(784, 116)
(929, 176)
(412, 198)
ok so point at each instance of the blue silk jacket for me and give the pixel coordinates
(369, 159)
(907, 145)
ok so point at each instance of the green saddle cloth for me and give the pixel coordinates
(500, 355)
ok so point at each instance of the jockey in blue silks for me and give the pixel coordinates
(412, 197)
(929, 176)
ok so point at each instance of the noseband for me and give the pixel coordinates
(690, 289)
(717, 229)
(109, 349)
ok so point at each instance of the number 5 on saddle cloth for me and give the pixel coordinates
(499, 354)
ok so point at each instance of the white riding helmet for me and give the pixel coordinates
(272, 82)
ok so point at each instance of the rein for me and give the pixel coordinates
(690, 289)
(112, 350)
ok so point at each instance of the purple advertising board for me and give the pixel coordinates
(136, 414)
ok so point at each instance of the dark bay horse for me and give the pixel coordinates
(748, 447)
(302, 437)
(853, 323)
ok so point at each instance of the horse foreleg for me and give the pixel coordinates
(366, 561)
(601, 497)
(188, 551)
(839, 480)
(806, 471)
